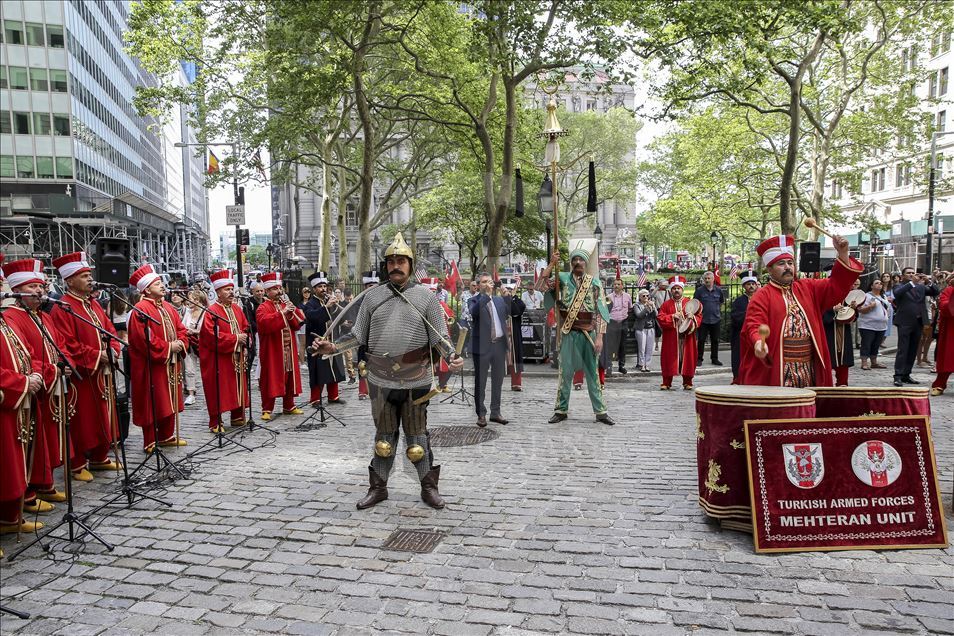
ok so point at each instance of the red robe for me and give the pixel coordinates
(767, 306)
(945, 331)
(96, 423)
(15, 366)
(231, 379)
(669, 356)
(443, 367)
(48, 453)
(278, 349)
(166, 368)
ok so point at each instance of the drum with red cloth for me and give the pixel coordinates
(720, 442)
(858, 401)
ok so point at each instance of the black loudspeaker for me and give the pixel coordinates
(112, 261)
(809, 257)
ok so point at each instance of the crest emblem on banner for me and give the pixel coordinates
(804, 464)
(876, 463)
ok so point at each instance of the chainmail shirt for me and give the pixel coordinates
(387, 325)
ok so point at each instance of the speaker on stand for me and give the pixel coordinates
(809, 254)
(112, 261)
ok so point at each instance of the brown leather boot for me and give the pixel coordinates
(377, 492)
(429, 494)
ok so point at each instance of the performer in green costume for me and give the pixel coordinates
(583, 317)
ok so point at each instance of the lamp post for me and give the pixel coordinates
(376, 245)
(932, 178)
(642, 252)
(237, 197)
(545, 209)
(598, 233)
(713, 238)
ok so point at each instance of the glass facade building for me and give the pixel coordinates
(76, 160)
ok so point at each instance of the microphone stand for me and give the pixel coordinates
(70, 519)
(220, 436)
(128, 490)
(162, 460)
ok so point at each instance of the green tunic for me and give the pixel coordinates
(576, 347)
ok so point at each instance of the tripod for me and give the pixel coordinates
(318, 419)
(220, 437)
(70, 519)
(461, 395)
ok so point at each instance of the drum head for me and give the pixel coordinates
(845, 314)
(684, 326)
(693, 307)
(855, 296)
(754, 395)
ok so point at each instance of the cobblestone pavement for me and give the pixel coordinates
(574, 528)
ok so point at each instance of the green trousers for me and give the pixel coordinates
(576, 352)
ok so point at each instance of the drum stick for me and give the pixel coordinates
(764, 332)
(810, 223)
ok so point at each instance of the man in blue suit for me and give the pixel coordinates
(910, 315)
(488, 345)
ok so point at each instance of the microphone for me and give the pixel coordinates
(46, 300)
(4, 295)
(99, 285)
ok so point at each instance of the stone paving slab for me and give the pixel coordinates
(574, 528)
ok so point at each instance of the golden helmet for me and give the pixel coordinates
(399, 247)
(382, 448)
(415, 453)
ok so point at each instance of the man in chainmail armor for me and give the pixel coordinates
(402, 325)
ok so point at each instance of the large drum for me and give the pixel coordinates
(858, 401)
(720, 442)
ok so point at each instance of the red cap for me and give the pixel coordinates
(144, 277)
(776, 248)
(25, 271)
(72, 264)
(221, 278)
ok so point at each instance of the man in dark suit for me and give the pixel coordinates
(750, 284)
(488, 345)
(909, 317)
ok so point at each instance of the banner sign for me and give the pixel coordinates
(862, 483)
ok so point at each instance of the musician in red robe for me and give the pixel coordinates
(224, 340)
(678, 355)
(156, 360)
(795, 353)
(27, 277)
(18, 384)
(945, 337)
(278, 320)
(95, 426)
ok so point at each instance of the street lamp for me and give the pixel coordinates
(932, 173)
(642, 250)
(236, 197)
(545, 209)
(712, 239)
(598, 233)
(376, 245)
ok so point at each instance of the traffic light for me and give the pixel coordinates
(240, 199)
(243, 236)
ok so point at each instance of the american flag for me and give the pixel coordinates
(641, 281)
(421, 273)
(734, 272)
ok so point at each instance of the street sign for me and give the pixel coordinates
(235, 215)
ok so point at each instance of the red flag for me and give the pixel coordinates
(453, 279)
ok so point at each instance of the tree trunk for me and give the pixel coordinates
(502, 203)
(328, 157)
(372, 28)
(820, 162)
(787, 216)
(343, 259)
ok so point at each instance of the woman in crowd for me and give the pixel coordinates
(873, 322)
(645, 325)
(192, 321)
(119, 313)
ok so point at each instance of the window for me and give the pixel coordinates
(932, 86)
(902, 175)
(909, 59)
(61, 125)
(54, 36)
(21, 123)
(6, 166)
(41, 124)
(25, 167)
(13, 31)
(44, 167)
(941, 120)
(836, 190)
(34, 34)
(940, 43)
(5, 126)
(942, 81)
(64, 168)
(58, 81)
(3, 76)
(38, 79)
(877, 180)
(18, 78)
